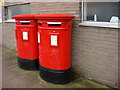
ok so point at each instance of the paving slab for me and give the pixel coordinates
(15, 77)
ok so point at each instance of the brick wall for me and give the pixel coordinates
(57, 7)
(94, 50)
(95, 54)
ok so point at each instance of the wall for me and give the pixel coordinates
(8, 35)
(0, 34)
(95, 54)
(94, 50)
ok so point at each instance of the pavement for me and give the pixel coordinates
(15, 77)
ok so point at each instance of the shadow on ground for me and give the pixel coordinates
(14, 77)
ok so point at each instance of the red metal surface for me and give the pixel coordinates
(56, 57)
(26, 49)
(24, 16)
(54, 16)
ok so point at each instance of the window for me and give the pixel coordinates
(103, 14)
(0, 13)
(16, 10)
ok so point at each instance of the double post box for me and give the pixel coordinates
(47, 37)
(26, 41)
(54, 39)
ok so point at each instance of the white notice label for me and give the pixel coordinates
(54, 40)
(25, 35)
(38, 37)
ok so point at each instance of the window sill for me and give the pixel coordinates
(10, 21)
(100, 24)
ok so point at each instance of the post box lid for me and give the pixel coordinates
(54, 16)
(24, 16)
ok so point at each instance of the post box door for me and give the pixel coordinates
(27, 41)
(55, 48)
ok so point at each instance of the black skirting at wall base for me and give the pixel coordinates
(55, 76)
(28, 64)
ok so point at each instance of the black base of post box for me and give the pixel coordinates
(55, 76)
(28, 64)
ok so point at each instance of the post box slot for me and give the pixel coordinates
(25, 22)
(40, 24)
(54, 23)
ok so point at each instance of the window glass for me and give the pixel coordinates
(101, 11)
(16, 10)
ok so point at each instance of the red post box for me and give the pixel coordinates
(26, 41)
(54, 38)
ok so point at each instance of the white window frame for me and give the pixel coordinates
(97, 24)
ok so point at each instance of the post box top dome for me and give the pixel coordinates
(24, 16)
(54, 16)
